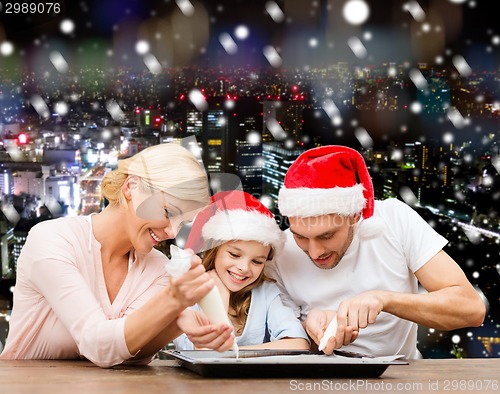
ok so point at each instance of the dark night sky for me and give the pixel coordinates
(478, 15)
(466, 28)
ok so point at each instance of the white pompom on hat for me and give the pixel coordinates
(234, 216)
(324, 181)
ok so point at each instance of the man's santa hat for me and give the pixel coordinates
(234, 216)
(330, 179)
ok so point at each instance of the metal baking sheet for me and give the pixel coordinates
(282, 363)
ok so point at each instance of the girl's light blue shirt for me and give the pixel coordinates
(268, 320)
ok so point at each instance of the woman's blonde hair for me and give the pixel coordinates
(239, 301)
(167, 167)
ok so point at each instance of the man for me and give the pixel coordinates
(357, 260)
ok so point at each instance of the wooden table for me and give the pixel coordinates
(166, 377)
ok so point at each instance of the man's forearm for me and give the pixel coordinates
(445, 309)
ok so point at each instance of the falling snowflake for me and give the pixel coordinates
(241, 32)
(114, 110)
(408, 196)
(61, 108)
(59, 62)
(6, 48)
(356, 12)
(40, 106)
(142, 47)
(186, 7)
(254, 137)
(275, 129)
(152, 63)
(418, 79)
(461, 65)
(363, 137)
(357, 47)
(228, 43)
(67, 26)
(198, 100)
(332, 111)
(272, 56)
(275, 11)
(415, 10)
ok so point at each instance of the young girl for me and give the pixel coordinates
(239, 235)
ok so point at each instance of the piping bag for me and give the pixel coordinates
(212, 304)
(330, 331)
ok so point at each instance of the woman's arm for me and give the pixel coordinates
(160, 313)
(102, 338)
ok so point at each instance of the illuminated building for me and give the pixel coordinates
(277, 160)
(289, 116)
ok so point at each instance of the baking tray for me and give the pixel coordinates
(281, 363)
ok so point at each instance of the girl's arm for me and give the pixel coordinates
(285, 343)
(284, 329)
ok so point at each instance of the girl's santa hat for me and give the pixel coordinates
(324, 181)
(234, 216)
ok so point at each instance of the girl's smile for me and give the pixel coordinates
(240, 263)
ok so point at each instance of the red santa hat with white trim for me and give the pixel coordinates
(324, 181)
(234, 216)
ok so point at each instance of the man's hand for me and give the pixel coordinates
(316, 323)
(203, 334)
(361, 310)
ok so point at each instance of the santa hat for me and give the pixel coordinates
(234, 216)
(324, 181)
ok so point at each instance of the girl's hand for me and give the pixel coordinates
(204, 335)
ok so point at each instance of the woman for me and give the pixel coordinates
(93, 286)
(241, 235)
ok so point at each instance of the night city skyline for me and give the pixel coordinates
(414, 87)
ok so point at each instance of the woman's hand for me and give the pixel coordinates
(192, 286)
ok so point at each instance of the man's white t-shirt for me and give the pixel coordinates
(385, 262)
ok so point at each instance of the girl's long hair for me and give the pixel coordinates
(239, 301)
